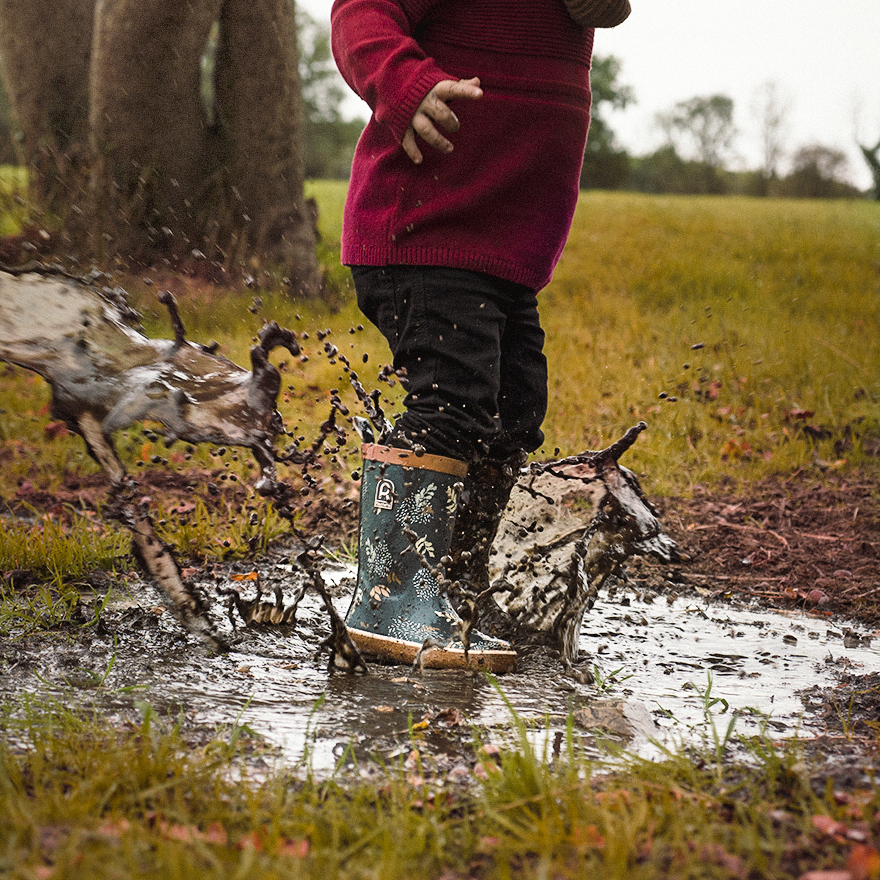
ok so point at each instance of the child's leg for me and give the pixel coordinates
(447, 328)
(522, 397)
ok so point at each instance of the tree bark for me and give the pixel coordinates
(259, 106)
(149, 134)
(113, 89)
(44, 50)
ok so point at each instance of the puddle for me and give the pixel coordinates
(759, 661)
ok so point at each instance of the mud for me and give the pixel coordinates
(652, 656)
(639, 643)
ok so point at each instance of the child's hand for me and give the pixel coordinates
(435, 109)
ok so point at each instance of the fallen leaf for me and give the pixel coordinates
(826, 875)
(185, 833)
(384, 709)
(54, 430)
(452, 717)
(251, 841)
(829, 826)
(114, 827)
(216, 834)
(297, 849)
(731, 863)
(459, 773)
(588, 837)
(864, 863)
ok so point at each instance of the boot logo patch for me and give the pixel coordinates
(384, 495)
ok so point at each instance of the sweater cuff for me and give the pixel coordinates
(399, 117)
(598, 13)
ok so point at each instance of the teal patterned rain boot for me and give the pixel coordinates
(397, 604)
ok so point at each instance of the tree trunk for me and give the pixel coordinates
(259, 106)
(165, 178)
(872, 157)
(44, 49)
(149, 134)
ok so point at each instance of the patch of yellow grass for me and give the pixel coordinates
(744, 331)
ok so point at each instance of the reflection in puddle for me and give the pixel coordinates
(654, 656)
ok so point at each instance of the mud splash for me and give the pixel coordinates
(106, 375)
(652, 656)
(635, 670)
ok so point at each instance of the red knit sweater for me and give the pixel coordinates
(503, 200)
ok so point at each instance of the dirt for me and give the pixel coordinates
(805, 541)
(808, 541)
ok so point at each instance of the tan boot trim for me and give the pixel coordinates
(403, 652)
(406, 458)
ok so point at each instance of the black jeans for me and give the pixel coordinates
(472, 347)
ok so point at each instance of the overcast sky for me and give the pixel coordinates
(823, 55)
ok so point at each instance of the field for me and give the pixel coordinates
(745, 332)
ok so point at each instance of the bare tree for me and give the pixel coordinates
(125, 150)
(818, 172)
(872, 157)
(771, 110)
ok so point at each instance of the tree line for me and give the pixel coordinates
(698, 134)
(698, 139)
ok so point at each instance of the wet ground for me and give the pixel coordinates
(773, 619)
(668, 665)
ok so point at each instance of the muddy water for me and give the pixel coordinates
(661, 650)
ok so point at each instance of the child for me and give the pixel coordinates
(454, 220)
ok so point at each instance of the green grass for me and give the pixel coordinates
(742, 330)
(211, 809)
(13, 182)
(53, 558)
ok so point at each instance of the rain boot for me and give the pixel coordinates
(486, 492)
(399, 611)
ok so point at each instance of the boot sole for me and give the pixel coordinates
(399, 651)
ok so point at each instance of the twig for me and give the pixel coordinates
(729, 525)
(843, 355)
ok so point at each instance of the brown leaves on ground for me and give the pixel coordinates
(807, 540)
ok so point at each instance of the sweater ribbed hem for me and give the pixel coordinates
(365, 255)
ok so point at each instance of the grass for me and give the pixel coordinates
(743, 331)
(52, 557)
(183, 807)
(13, 212)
